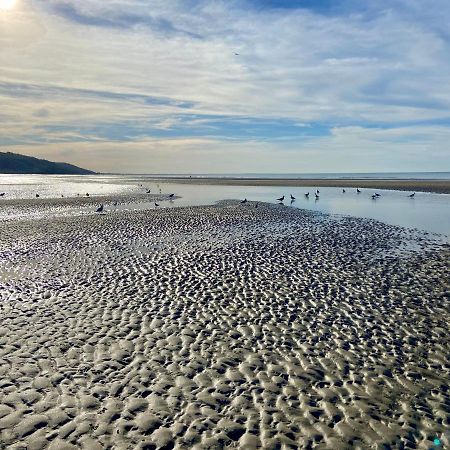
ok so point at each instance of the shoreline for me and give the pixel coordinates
(32, 208)
(435, 186)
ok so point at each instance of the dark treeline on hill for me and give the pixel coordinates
(15, 163)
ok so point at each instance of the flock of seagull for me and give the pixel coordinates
(101, 208)
(317, 196)
(280, 200)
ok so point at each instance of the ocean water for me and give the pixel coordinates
(312, 176)
(426, 211)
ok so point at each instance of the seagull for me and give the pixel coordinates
(343, 191)
(317, 192)
(292, 197)
(358, 191)
(2, 194)
(37, 195)
(148, 191)
(156, 204)
(317, 196)
(244, 201)
(87, 195)
(99, 209)
(307, 194)
(171, 195)
(115, 203)
(374, 196)
(377, 194)
(412, 195)
(280, 199)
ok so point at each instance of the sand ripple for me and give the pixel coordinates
(221, 327)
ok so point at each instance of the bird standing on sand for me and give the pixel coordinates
(156, 205)
(280, 199)
(412, 195)
(2, 194)
(37, 196)
(358, 191)
(87, 194)
(148, 191)
(171, 195)
(307, 195)
(317, 191)
(374, 196)
(99, 209)
(292, 197)
(244, 201)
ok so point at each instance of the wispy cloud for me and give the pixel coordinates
(339, 151)
(137, 71)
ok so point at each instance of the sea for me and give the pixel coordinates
(312, 176)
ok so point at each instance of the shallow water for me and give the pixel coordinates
(55, 186)
(426, 211)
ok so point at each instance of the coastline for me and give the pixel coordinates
(436, 186)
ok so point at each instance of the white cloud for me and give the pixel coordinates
(387, 66)
(347, 149)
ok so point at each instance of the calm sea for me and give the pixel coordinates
(327, 176)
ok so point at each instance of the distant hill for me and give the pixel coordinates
(15, 163)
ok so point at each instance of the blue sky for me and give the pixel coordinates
(157, 86)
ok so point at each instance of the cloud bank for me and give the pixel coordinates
(219, 86)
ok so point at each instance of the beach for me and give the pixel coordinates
(228, 326)
(224, 225)
(419, 185)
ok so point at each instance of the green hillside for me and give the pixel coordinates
(14, 163)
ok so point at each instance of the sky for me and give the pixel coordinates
(227, 86)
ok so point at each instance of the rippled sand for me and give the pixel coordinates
(216, 327)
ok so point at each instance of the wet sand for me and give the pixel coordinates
(438, 186)
(229, 326)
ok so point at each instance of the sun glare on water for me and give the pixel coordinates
(7, 4)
